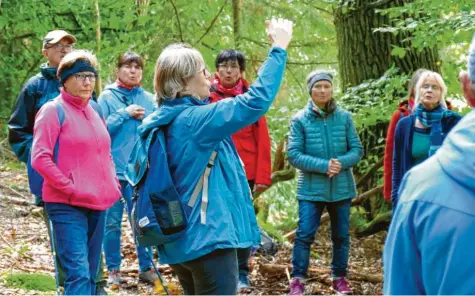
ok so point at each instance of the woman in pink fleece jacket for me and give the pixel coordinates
(71, 151)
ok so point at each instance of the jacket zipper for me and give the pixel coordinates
(329, 155)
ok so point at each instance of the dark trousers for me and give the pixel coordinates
(78, 234)
(100, 280)
(310, 213)
(213, 274)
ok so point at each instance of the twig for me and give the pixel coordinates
(5, 240)
(212, 22)
(14, 191)
(178, 20)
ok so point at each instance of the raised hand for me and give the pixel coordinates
(279, 32)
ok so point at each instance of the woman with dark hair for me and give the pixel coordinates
(124, 104)
(71, 151)
(324, 146)
(252, 142)
(199, 150)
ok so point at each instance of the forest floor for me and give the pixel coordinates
(24, 248)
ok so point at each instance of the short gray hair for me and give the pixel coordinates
(176, 64)
(439, 80)
(74, 56)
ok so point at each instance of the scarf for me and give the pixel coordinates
(122, 85)
(329, 108)
(218, 91)
(433, 120)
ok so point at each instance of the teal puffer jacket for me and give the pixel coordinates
(313, 141)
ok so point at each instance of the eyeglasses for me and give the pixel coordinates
(430, 86)
(82, 77)
(61, 47)
(224, 66)
(205, 72)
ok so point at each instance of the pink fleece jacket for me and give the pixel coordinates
(84, 174)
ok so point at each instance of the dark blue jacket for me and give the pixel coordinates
(402, 156)
(429, 248)
(40, 89)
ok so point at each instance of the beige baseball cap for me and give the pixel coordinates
(55, 36)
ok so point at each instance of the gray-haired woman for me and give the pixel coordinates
(222, 220)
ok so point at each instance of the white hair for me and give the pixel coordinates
(440, 82)
(176, 64)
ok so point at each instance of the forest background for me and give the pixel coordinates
(372, 47)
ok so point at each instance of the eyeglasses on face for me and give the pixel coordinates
(430, 86)
(232, 66)
(81, 77)
(61, 47)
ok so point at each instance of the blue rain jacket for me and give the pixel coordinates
(194, 129)
(122, 127)
(430, 244)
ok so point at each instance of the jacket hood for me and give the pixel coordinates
(48, 72)
(456, 154)
(166, 113)
(123, 91)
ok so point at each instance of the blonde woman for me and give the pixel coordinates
(419, 135)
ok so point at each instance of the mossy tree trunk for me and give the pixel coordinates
(364, 54)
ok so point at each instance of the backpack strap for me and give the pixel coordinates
(97, 108)
(60, 111)
(203, 185)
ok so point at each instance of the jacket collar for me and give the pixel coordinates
(75, 101)
(48, 72)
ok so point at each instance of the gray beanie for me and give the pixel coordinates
(318, 77)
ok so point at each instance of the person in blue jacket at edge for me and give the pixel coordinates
(430, 244)
(124, 104)
(38, 90)
(204, 258)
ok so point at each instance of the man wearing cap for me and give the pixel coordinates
(40, 89)
(429, 247)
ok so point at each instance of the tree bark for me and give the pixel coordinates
(98, 45)
(364, 54)
(236, 23)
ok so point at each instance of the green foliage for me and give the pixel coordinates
(376, 99)
(34, 281)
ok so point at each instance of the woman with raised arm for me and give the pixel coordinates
(198, 135)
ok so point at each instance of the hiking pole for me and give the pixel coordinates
(53, 248)
(156, 270)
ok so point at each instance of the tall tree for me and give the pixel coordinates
(364, 53)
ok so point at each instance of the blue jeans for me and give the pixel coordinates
(213, 274)
(113, 233)
(310, 213)
(78, 234)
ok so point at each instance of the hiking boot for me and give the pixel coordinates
(148, 276)
(243, 285)
(341, 286)
(114, 278)
(296, 287)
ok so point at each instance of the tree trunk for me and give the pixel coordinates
(364, 54)
(236, 23)
(98, 45)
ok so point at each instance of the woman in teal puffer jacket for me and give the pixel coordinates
(324, 146)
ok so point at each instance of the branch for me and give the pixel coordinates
(178, 20)
(212, 22)
(323, 10)
(295, 78)
(363, 196)
(303, 63)
(370, 173)
(378, 3)
(262, 44)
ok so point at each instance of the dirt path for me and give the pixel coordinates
(24, 247)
